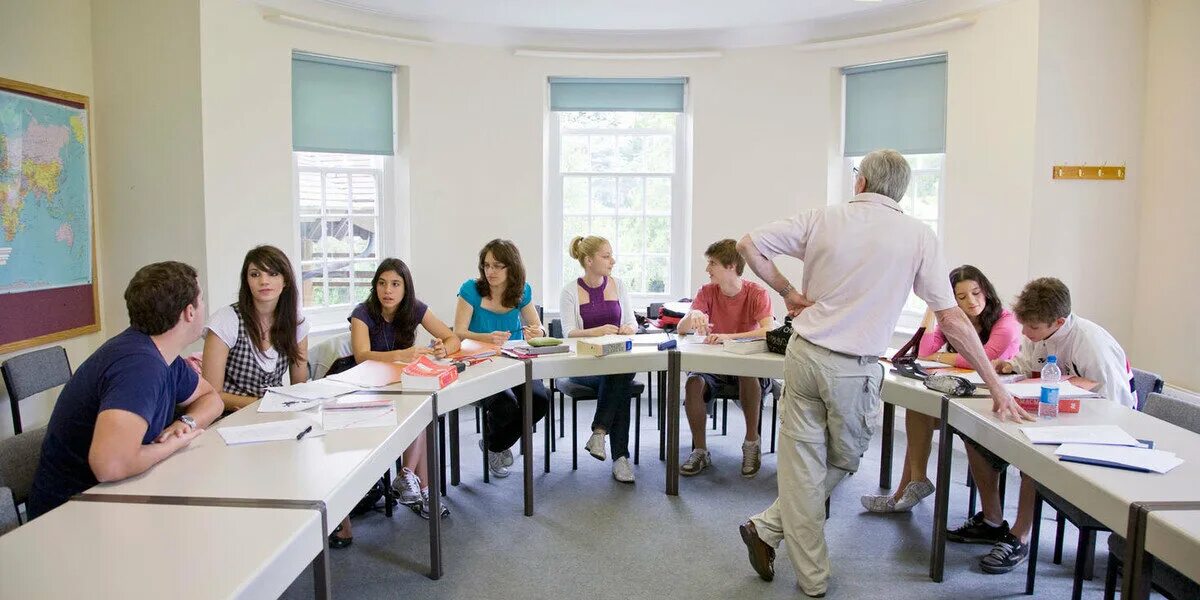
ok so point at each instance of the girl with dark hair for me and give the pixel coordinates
(250, 344)
(495, 308)
(1000, 334)
(384, 328)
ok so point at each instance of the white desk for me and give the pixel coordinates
(1174, 538)
(134, 551)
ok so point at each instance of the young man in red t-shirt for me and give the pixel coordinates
(727, 307)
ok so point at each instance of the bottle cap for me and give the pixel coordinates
(1052, 359)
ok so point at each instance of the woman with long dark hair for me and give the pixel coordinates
(251, 343)
(384, 328)
(1000, 334)
(495, 308)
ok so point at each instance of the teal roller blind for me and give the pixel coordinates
(341, 105)
(899, 105)
(663, 94)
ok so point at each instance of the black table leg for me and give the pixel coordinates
(454, 450)
(941, 503)
(886, 444)
(672, 425)
(435, 500)
(527, 436)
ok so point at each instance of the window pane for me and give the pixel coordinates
(337, 192)
(575, 153)
(605, 227)
(629, 195)
(657, 274)
(338, 243)
(363, 240)
(364, 193)
(604, 195)
(629, 235)
(575, 195)
(339, 283)
(595, 120)
(660, 154)
(573, 226)
(629, 271)
(309, 188)
(631, 152)
(658, 234)
(925, 195)
(655, 120)
(313, 284)
(658, 195)
(603, 153)
(311, 232)
(363, 272)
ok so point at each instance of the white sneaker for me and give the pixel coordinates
(495, 462)
(696, 462)
(408, 488)
(622, 470)
(751, 458)
(879, 504)
(506, 456)
(595, 446)
(913, 493)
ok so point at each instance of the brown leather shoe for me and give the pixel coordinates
(762, 555)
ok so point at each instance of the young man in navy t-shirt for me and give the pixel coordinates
(115, 418)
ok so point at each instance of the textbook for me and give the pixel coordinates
(366, 400)
(370, 373)
(473, 351)
(745, 345)
(523, 352)
(603, 345)
(424, 375)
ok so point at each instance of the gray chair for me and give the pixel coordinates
(1144, 384)
(581, 393)
(1166, 580)
(32, 373)
(725, 393)
(19, 457)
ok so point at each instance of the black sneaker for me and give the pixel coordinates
(1005, 555)
(975, 531)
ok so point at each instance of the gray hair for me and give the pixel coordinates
(886, 173)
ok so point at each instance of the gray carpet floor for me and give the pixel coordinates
(592, 537)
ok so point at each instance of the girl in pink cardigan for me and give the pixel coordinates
(1001, 336)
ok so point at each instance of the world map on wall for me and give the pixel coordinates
(45, 195)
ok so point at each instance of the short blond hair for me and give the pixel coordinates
(583, 247)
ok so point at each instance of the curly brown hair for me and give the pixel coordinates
(506, 253)
(158, 293)
(1044, 300)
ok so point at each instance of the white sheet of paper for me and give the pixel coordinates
(1158, 461)
(1034, 390)
(320, 389)
(263, 432)
(1107, 435)
(932, 364)
(273, 402)
(334, 420)
(977, 379)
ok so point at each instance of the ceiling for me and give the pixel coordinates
(627, 24)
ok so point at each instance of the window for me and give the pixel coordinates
(617, 169)
(343, 142)
(339, 197)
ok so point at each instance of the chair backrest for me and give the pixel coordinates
(1144, 384)
(555, 328)
(32, 373)
(1173, 410)
(322, 356)
(541, 311)
(652, 311)
(19, 457)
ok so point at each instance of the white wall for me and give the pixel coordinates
(1166, 324)
(49, 43)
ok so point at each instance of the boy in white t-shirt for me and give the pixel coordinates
(1083, 349)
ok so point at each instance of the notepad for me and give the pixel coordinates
(1034, 390)
(321, 389)
(1107, 435)
(1120, 457)
(263, 432)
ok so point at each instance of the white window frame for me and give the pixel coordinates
(910, 319)
(680, 194)
(330, 318)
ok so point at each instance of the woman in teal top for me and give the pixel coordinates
(493, 309)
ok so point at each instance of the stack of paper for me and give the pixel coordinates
(977, 379)
(1120, 457)
(1105, 435)
(371, 373)
(320, 389)
(1033, 389)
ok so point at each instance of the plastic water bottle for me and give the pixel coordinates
(1048, 402)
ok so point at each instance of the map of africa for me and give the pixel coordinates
(45, 195)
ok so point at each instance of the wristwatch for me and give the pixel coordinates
(188, 420)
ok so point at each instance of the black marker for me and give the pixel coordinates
(303, 433)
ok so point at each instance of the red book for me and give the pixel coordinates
(425, 375)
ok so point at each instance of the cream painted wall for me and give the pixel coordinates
(1090, 97)
(1166, 324)
(62, 61)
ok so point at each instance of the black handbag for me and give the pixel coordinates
(778, 338)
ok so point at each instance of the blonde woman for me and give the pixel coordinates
(593, 305)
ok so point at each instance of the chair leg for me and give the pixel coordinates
(970, 494)
(476, 418)
(1033, 544)
(1089, 557)
(637, 430)
(714, 413)
(442, 452)
(1086, 535)
(574, 435)
(1003, 484)
(649, 396)
(487, 476)
(387, 490)
(1061, 520)
(774, 419)
(827, 507)
(761, 403)
(550, 423)
(1110, 577)
(562, 413)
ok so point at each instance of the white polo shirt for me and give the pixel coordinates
(1085, 349)
(860, 260)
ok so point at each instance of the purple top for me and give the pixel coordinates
(383, 336)
(599, 311)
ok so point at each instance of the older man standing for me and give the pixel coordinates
(861, 259)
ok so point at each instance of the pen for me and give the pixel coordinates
(303, 433)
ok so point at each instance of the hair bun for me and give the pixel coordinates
(575, 250)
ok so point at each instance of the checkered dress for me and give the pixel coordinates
(243, 376)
